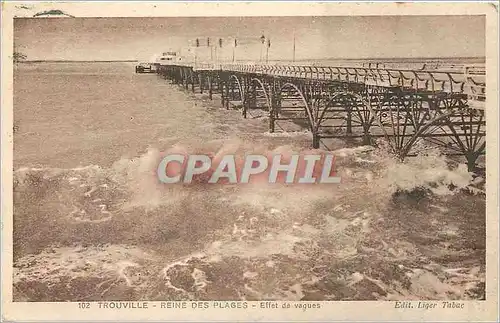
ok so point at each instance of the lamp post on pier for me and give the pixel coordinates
(234, 48)
(262, 42)
(267, 50)
(265, 41)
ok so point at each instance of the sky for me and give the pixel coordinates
(315, 37)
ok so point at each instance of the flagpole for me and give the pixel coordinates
(293, 59)
(267, 51)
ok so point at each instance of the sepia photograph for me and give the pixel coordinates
(303, 158)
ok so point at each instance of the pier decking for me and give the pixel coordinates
(444, 107)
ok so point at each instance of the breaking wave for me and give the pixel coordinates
(117, 233)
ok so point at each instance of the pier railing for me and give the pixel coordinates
(470, 80)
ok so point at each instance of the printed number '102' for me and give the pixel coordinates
(83, 305)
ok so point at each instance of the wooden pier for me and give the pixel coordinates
(444, 107)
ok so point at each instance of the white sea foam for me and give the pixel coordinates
(54, 264)
(430, 171)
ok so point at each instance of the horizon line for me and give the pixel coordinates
(274, 60)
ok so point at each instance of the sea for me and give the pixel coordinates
(91, 221)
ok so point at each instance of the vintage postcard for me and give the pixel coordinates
(257, 161)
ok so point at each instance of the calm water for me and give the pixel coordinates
(91, 222)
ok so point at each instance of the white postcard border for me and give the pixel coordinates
(329, 311)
